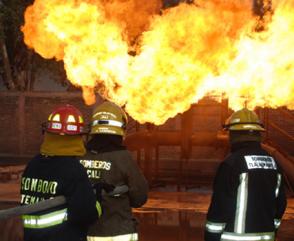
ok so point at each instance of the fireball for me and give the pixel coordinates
(157, 65)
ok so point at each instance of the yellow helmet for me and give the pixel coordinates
(108, 118)
(243, 120)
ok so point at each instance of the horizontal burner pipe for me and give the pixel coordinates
(287, 163)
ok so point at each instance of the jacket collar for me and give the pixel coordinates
(241, 145)
(105, 143)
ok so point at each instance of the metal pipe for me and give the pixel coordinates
(285, 133)
(37, 207)
(50, 203)
(285, 162)
(143, 139)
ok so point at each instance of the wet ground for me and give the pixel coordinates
(167, 216)
(174, 216)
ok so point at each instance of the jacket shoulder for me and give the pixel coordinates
(123, 153)
(231, 158)
(73, 164)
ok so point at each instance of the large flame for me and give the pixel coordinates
(262, 71)
(158, 65)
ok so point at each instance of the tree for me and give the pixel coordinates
(19, 64)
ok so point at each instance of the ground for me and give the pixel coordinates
(167, 216)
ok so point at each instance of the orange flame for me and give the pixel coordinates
(182, 55)
(262, 71)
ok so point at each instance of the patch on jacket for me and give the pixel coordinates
(96, 164)
(260, 162)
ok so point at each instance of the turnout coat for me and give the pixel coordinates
(107, 161)
(47, 177)
(248, 198)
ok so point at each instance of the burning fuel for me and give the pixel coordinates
(157, 65)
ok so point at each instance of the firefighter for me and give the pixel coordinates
(57, 171)
(248, 198)
(108, 163)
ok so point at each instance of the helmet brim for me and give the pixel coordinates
(244, 127)
(106, 129)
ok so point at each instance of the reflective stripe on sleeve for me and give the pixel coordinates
(241, 209)
(279, 178)
(248, 237)
(277, 223)
(215, 227)
(99, 209)
(45, 221)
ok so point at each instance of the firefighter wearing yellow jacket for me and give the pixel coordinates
(248, 198)
(107, 161)
(56, 171)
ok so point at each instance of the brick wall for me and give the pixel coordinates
(21, 115)
(9, 124)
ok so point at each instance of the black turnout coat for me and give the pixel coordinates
(47, 177)
(248, 198)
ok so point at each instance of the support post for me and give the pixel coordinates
(6, 65)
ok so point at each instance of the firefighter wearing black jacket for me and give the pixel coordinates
(248, 199)
(108, 161)
(56, 171)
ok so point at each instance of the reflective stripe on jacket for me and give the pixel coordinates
(46, 220)
(125, 237)
(248, 237)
